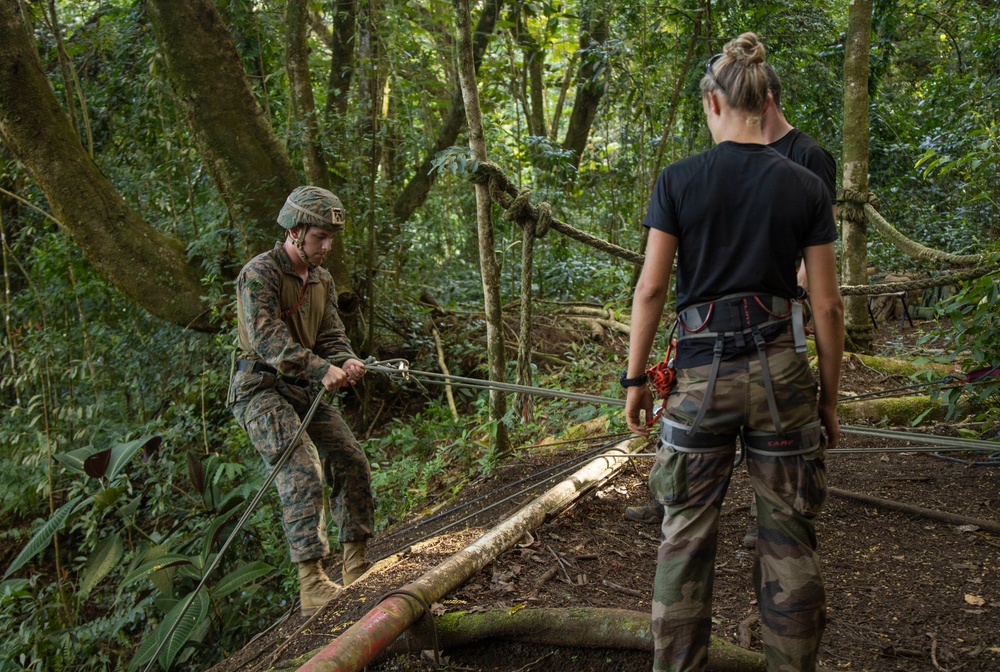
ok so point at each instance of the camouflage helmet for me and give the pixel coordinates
(312, 206)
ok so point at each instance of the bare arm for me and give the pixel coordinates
(647, 309)
(802, 277)
(828, 316)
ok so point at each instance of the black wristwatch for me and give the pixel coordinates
(641, 379)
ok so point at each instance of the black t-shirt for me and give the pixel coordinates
(803, 150)
(741, 213)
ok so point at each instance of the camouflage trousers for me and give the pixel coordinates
(270, 410)
(789, 492)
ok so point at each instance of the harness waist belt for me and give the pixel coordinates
(680, 438)
(254, 366)
(805, 439)
(732, 315)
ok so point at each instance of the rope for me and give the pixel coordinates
(922, 283)
(856, 205)
(403, 371)
(426, 614)
(915, 249)
(505, 193)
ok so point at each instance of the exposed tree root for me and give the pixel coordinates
(573, 627)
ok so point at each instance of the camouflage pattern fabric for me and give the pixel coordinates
(301, 344)
(269, 409)
(789, 492)
(305, 342)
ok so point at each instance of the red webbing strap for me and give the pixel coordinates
(302, 295)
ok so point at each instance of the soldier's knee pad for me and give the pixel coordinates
(805, 439)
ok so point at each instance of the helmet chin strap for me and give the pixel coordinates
(298, 242)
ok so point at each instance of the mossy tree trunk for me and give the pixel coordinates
(484, 218)
(856, 129)
(300, 85)
(249, 166)
(151, 269)
(590, 80)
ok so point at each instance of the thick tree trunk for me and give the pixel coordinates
(250, 167)
(341, 60)
(300, 84)
(146, 266)
(416, 190)
(488, 265)
(590, 82)
(856, 129)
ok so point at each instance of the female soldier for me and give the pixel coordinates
(736, 217)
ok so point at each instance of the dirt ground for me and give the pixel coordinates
(905, 592)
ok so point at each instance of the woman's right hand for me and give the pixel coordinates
(638, 400)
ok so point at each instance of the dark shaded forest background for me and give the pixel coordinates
(147, 147)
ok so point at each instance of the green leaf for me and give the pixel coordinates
(108, 496)
(185, 627)
(104, 559)
(238, 578)
(74, 459)
(213, 532)
(41, 540)
(123, 452)
(151, 643)
(155, 565)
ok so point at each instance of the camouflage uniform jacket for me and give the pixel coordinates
(298, 338)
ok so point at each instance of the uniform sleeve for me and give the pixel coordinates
(332, 342)
(258, 292)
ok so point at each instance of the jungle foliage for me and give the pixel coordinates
(121, 470)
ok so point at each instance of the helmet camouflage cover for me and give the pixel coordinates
(312, 206)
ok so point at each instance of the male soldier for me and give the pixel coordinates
(801, 148)
(291, 340)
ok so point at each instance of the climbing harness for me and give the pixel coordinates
(736, 319)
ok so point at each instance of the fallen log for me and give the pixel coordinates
(912, 509)
(894, 411)
(579, 627)
(359, 644)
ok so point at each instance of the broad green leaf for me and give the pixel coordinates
(108, 496)
(123, 452)
(155, 565)
(103, 560)
(74, 459)
(238, 578)
(41, 540)
(188, 621)
(213, 532)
